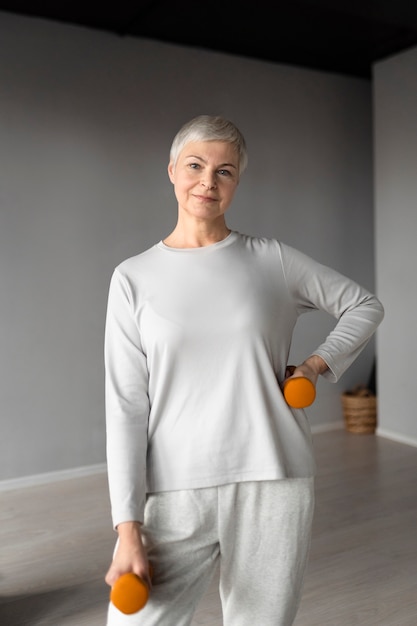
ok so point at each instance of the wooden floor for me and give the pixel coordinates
(56, 542)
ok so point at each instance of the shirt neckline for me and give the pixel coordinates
(230, 238)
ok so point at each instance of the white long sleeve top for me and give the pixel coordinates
(196, 343)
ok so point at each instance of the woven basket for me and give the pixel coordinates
(359, 410)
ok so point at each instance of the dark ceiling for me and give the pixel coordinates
(341, 36)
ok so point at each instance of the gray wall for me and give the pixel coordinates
(86, 121)
(395, 89)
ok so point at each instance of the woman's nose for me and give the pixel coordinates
(208, 181)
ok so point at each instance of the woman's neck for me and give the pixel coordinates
(204, 235)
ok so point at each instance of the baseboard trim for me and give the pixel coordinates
(388, 434)
(326, 428)
(51, 477)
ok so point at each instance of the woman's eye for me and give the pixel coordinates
(194, 166)
(224, 172)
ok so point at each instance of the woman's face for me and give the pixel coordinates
(205, 178)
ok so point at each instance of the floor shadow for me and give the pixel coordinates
(52, 607)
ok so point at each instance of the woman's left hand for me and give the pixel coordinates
(311, 368)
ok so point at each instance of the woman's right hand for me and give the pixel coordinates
(130, 555)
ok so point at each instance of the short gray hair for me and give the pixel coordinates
(210, 128)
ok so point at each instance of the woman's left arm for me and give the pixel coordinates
(358, 312)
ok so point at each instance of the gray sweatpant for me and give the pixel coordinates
(258, 531)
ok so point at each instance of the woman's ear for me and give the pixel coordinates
(171, 171)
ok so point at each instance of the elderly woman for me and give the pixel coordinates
(207, 463)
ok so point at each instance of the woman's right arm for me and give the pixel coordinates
(127, 414)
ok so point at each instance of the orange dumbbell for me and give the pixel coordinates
(129, 593)
(299, 392)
